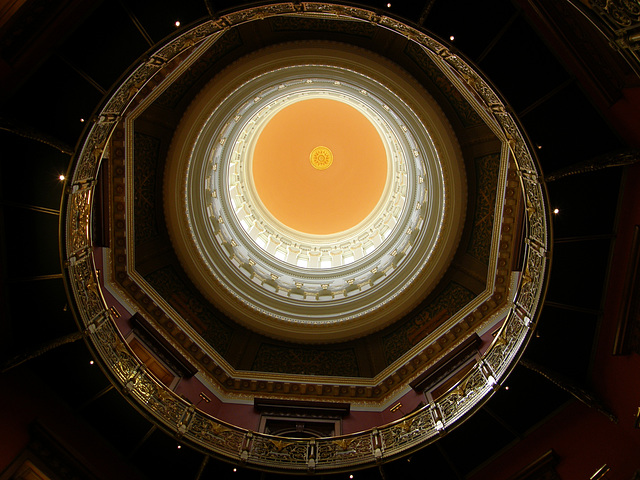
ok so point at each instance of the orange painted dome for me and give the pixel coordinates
(328, 197)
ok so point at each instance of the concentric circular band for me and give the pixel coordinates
(282, 282)
(289, 245)
(178, 413)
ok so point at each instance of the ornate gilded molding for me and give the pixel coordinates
(619, 22)
(282, 454)
(608, 160)
(247, 264)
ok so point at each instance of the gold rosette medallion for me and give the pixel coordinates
(321, 158)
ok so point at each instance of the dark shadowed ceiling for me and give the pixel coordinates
(61, 58)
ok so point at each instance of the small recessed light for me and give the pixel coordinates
(539, 147)
(82, 120)
(179, 447)
(235, 469)
(90, 362)
(61, 177)
(452, 38)
(177, 24)
(388, 5)
(350, 476)
(507, 387)
(556, 211)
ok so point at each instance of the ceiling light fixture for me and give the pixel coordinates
(61, 177)
(177, 24)
(452, 38)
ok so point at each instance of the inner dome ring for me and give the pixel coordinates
(276, 238)
(273, 294)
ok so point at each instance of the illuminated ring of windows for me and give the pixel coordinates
(290, 247)
(319, 251)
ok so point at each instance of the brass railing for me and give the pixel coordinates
(235, 444)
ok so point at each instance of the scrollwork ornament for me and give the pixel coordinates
(281, 453)
(623, 13)
(505, 345)
(105, 339)
(398, 27)
(286, 451)
(91, 154)
(87, 290)
(633, 7)
(516, 142)
(497, 356)
(184, 42)
(78, 215)
(259, 13)
(535, 210)
(314, 7)
(144, 388)
(126, 365)
(530, 281)
(340, 10)
(167, 407)
(460, 399)
(410, 431)
(355, 13)
(487, 95)
(209, 432)
(432, 46)
(345, 450)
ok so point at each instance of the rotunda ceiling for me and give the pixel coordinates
(313, 221)
(319, 166)
(297, 285)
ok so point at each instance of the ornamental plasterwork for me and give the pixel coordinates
(366, 392)
(293, 246)
(411, 225)
(619, 21)
(236, 444)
